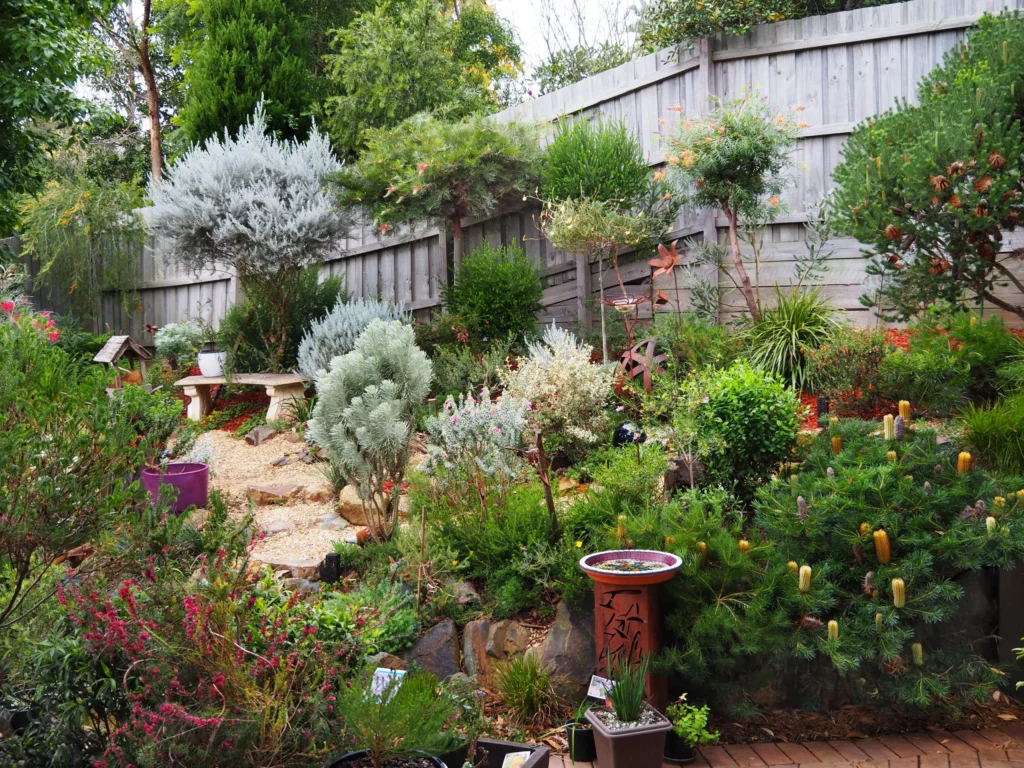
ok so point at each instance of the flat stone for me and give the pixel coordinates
(319, 494)
(259, 435)
(568, 651)
(302, 586)
(474, 650)
(278, 526)
(262, 495)
(350, 506)
(297, 569)
(566, 484)
(385, 660)
(437, 651)
(465, 593)
(293, 437)
(517, 639)
(331, 522)
(283, 461)
(308, 458)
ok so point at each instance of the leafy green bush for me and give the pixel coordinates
(995, 434)
(746, 422)
(408, 719)
(695, 344)
(596, 160)
(154, 415)
(690, 722)
(497, 291)
(800, 321)
(459, 369)
(381, 614)
(77, 342)
(846, 369)
(525, 688)
(247, 325)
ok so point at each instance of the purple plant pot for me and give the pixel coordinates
(192, 482)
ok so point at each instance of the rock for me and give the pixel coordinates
(350, 506)
(278, 526)
(262, 495)
(681, 469)
(293, 437)
(465, 593)
(308, 458)
(941, 439)
(517, 639)
(474, 650)
(437, 651)
(566, 484)
(331, 522)
(259, 435)
(283, 461)
(385, 660)
(302, 586)
(568, 651)
(319, 494)
(297, 569)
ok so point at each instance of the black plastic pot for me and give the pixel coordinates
(581, 742)
(496, 750)
(341, 761)
(678, 751)
(456, 758)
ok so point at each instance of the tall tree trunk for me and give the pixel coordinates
(156, 159)
(457, 243)
(737, 261)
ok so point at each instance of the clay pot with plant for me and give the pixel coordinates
(689, 729)
(630, 733)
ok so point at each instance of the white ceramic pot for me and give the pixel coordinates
(212, 363)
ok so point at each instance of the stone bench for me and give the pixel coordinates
(284, 389)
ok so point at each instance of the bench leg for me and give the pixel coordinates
(200, 404)
(282, 398)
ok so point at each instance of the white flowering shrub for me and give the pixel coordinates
(364, 416)
(179, 343)
(337, 332)
(565, 390)
(252, 202)
(472, 445)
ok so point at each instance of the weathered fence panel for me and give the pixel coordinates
(840, 69)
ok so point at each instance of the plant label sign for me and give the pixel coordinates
(599, 687)
(515, 759)
(386, 680)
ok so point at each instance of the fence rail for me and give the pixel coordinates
(841, 68)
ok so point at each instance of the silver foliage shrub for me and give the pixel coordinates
(364, 416)
(251, 202)
(179, 342)
(336, 333)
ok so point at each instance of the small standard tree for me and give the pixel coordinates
(364, 416)
(254, 204)
(735, 161)
(933, 189)
(427, 168)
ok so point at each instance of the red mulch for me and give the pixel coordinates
(809, 411)
(254, 401)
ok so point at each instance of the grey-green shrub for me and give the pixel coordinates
(364, 416)
(179, 343)
(336, 333)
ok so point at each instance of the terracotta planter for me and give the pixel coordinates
(192, 482)
(642, 746)
(341, 761)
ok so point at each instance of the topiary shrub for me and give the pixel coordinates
(746, 422)
(336, 333)
(364, 416)
(497, 291)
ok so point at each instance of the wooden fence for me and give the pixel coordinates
(841, 68)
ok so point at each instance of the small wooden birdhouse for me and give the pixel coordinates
(127, 357)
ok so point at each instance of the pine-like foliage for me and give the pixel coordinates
(336, 334)
(364, 416)
(251, 51)
(932, 189)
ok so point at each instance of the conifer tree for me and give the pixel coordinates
(251, 51)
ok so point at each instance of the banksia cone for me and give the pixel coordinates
(899, 427)
(964, 462)
(891, 456)
(918, 653)
(865, 529)
(702, 547)
(793, 567)
(744, 546)
(999, 502)
(889, 427)
(837, 445)
(620, 531)
(882, 550)
(669, 541)
(927, 487)
(801, 507)
(1020, 493)
(833, 629)
(990, 525)
(878, 622)
(868, 585)
(905, 409)
(804, 582)
(830, 473)
(899, 593)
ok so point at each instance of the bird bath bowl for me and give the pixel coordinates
(631, 567)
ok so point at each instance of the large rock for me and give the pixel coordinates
(385, 660)
(319, 495)
(296, 569)
(350, 506)
(437, 651)
(278, 526)
(263, 495)
(259, 435)
(568, 651)
(486, 644)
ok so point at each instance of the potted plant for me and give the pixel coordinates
(401, 723)
(212, 362)
(580, 735)
(689, 728)
(630, 733)
(189, 475)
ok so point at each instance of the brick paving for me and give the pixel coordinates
(1001, 747)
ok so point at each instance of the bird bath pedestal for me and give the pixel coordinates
(626, 608)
